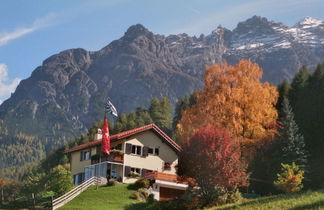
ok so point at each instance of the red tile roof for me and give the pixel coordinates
(128, 133)
(168, 177)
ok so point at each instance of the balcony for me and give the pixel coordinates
(114, 156)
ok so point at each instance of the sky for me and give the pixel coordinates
(33, 30)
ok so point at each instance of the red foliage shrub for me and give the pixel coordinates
(212, 158)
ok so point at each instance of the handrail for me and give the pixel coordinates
(62, 200)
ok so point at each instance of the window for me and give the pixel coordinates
(117, 147)
(85, 155)
(136, 170)
(151, 150)
(136, 150)
(78, 178)
(157, 151)
(167, 166)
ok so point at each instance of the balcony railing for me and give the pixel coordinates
(114, 156)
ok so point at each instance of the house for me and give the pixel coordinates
(141, 152)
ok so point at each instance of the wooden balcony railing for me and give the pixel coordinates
(114, 156)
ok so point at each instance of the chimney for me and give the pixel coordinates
(98, 135)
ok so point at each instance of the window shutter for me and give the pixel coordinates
(80, 156)
(145, 151)
(143, 172)
(128, 149)
(127, 171)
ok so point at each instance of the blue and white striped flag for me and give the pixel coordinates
(111, 109)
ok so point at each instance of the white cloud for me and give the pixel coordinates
(6, 86)
(6, 37)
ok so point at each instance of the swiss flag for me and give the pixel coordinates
(105, 145)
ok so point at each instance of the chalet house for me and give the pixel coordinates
(141, 152)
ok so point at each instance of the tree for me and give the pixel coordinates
(283, 90)
(290, 179)
(212, 158)
(182, 104)
(298, 84)
(292, 144)
(161, 113)
(307, 101)
(234, 99)
(59, 180)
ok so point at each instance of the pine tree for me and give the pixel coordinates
(161, 113)
(298, 84)
(311, 125)
(291, 141)
(182, 104)
(283, 90)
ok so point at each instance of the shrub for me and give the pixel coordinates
(59, 180)
(234, 197)
(150, 199)
(111, 182)
(213, 159)
(142, 194)
(191, 199)
(290, 179)
(142, 183)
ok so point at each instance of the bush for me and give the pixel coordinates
(290, 179)
(142, 194)
(207, 146)
(150, 199)
(59, 180)
(142, 183)
(234, 197)
(191, 199)
(111, 182)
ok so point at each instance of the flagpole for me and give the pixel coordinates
(102, 138)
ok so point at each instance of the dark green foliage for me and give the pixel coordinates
(290, 141)
(59, 180)
(111, 182)
(307, 101)
(142, 183)
(182, 104)
(306, 97)
(283, 90)
(161, 113)
(132, 120)
(298, 85)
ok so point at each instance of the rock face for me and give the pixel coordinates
(65, 95)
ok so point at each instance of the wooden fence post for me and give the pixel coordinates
(34, 203)
(2, 196)
(52, 201)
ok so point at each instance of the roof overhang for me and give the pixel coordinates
(129, 133)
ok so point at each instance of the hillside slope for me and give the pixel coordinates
(118, 197)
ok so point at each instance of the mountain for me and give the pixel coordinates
(65, 95)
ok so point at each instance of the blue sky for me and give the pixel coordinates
(31, 31)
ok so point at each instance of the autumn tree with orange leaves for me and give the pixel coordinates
(233, 99)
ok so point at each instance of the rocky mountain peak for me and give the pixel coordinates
(136, 30)
(309, 22)
(254, 25)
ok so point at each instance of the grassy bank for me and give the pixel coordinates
(118, 197)
(115, 197)
(296, 201)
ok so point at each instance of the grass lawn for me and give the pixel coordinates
(297, 201)
(115, 197)
(118, 197)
